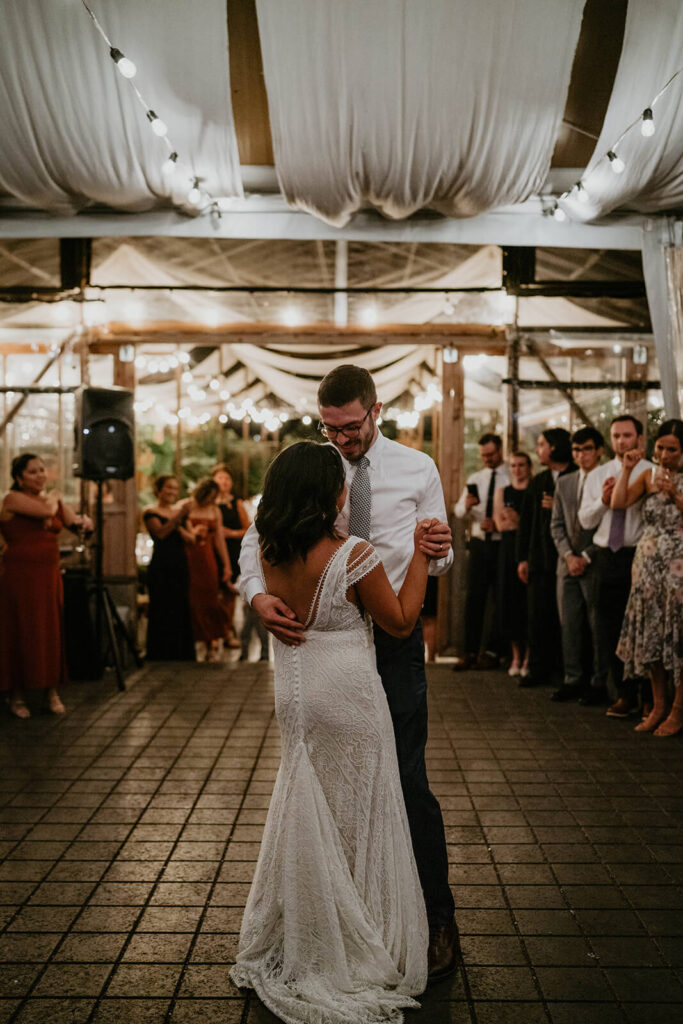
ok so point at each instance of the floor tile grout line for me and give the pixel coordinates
(68, 931)
(145, 906)
(525, 952)
(221, 860)
(83, 824)
(571, 910)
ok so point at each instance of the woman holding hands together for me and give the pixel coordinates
(651, 639)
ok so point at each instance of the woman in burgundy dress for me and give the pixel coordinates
(32, 654)
(203, 533)
(235, 525)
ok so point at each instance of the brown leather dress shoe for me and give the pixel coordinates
(443, 955)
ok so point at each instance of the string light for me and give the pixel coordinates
(128, 70)
(124, 65)
(169, 165)
(194, 194)
(581, 193)
(647, 125)
(616, 163)
(646, 122)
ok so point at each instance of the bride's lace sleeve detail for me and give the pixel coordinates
(361, 561)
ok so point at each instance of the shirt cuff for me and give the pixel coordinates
(586, 557)
(250, 589)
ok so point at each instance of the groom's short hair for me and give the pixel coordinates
(345, 384)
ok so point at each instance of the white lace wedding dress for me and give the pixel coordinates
(335, 930)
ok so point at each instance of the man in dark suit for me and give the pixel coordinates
(537, 556)
(576, 577)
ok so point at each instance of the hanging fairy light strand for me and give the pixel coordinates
(196, 196)
(617, 164)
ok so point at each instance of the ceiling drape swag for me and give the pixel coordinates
(405, 104)
(653, 178)
(72, 131)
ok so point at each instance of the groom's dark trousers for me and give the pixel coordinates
(401, 665)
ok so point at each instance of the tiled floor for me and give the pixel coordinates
(129, 830)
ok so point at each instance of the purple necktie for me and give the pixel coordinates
(615, 541)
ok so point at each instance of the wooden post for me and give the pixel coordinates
(512, 403)
(178, 455)
(451, 467)
(245, 457)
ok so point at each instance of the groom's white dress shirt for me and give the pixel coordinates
(405, 488)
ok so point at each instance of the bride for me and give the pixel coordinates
(334, 930)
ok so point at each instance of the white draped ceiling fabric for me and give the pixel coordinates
(653, 178)
(72, 130)
(405, 104)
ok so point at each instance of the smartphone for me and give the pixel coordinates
(473, 490)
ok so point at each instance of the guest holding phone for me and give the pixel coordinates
(475, 506)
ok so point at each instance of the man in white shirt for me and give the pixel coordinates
(576, 578)
(389, 488)
(617, 532)
(475, 504)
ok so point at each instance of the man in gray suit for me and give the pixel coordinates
(576, 579)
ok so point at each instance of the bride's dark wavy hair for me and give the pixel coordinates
(299, 503)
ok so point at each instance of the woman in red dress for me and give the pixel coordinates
(32, 653)
(203, 533)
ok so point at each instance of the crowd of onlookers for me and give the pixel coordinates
(191, 575)
(575, 573)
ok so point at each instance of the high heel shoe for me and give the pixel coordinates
(18, 708)
(55, 705)
(651, 721)
(671, 725)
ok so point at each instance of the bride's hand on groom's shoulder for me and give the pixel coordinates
(279, 619)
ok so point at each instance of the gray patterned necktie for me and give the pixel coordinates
(361, 501)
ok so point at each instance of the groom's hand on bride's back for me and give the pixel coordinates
(278, 619)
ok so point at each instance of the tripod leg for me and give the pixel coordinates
(123, 632)
(113, 640)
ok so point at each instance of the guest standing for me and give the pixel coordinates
(652, 633)
(482, 644)
(32, 652)
(576, 579)
(203, 534)
(537, 557)
(511, 592)
(169, 633)
(617, 531)
(235, 525)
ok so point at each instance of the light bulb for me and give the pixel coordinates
(169, 165)
(194, 195)
(123, 64)
(647, 125)
(159, 127)
(368, 316)
(616, 163)
(559, 214)
(581, 193)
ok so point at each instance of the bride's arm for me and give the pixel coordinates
(396, 614)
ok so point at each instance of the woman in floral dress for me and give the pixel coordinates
(651, 639)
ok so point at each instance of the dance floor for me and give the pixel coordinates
(129, 831)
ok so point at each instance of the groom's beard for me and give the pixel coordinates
(354, 450)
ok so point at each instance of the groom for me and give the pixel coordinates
(390, 488)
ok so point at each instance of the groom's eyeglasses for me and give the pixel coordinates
(349, 430)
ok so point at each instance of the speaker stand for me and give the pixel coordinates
(105, 609)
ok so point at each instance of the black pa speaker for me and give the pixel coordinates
(104, 427)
